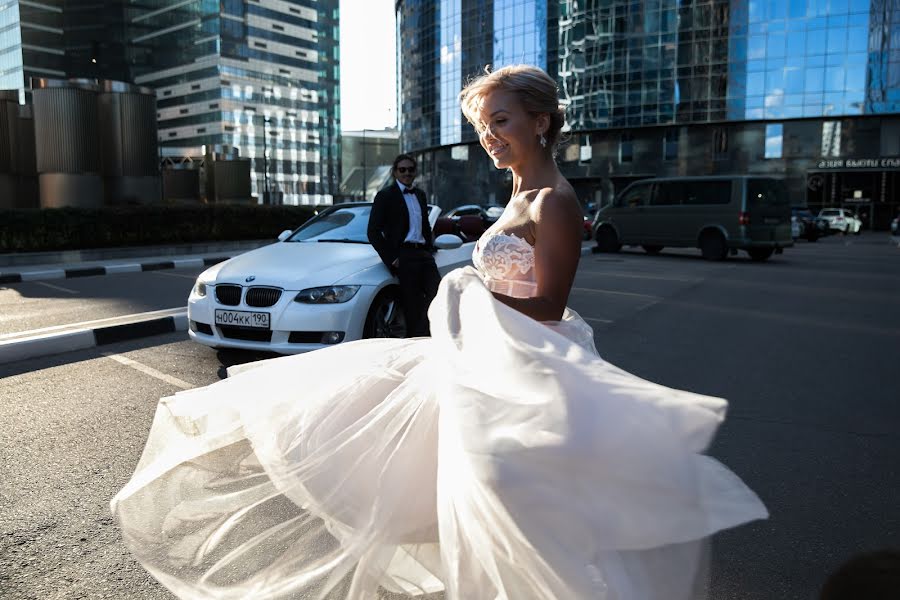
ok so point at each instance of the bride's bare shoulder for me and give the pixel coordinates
(556, 203)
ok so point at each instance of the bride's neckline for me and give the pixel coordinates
(504, 234)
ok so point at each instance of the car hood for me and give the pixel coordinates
(296, 265)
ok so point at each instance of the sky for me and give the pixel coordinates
(368, 64)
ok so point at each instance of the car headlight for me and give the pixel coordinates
(199, 289)
(332, 294)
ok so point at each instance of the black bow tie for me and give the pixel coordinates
(409, 190)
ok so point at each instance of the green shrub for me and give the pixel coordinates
(40, 230)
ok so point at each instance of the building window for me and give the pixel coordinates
(831, 138)
(670, 145)
(626, 148)
(774, 140)
(720, 143)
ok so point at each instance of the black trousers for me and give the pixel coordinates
(419, 280)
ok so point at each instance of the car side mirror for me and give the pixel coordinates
(447, 241)
(284, 235)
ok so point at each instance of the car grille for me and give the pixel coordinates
(262, 296)
(245, 333)
(229, 295)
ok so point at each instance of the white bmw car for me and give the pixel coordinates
(319, 285)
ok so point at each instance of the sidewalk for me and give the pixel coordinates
(17, 268)
(39, 266)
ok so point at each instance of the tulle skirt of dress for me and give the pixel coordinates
(500, 459)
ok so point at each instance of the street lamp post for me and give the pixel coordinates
(365, 181)
(266, 199)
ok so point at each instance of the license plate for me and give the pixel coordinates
(240, 318)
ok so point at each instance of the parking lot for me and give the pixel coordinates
(804, 346)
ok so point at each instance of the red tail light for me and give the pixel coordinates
(743, 218)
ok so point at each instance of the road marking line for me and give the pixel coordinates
(56, 287)
(88, 324)
(149, 371)
(191, 277)
(596, 320)
(601, 291)
(632, 276)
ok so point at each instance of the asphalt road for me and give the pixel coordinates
(804, 347)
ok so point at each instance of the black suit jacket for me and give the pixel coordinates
(389, 222)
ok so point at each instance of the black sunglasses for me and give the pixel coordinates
(404, 170)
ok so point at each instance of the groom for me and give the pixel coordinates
(399, 230)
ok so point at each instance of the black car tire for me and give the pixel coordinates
(713, 245)
(607, 240)
(385, 318)
(652, 248)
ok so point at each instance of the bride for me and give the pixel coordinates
(501, 459)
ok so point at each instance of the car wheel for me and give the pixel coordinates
(607, 240)
(385, 318)
(713, 246)
(652, 248)
(760, 254)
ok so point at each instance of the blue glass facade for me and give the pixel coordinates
(57, 40)
(520, 32)
(31, 43)
(807, 89)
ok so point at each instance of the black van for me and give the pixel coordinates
(717, 214)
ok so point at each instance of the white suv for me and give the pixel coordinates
(841, 219)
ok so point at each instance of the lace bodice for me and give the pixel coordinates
(506, 262)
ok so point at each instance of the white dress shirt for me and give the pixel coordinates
(415, 216)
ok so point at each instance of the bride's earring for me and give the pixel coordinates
(543, 141)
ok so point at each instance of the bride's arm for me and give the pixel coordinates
(557, 233)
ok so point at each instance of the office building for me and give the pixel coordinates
(808, 90)
(261, 76)
(55, 39)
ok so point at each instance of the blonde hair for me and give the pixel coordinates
(535, 89)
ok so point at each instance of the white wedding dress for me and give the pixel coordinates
(500, 459)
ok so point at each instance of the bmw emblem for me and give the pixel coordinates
(251, 278)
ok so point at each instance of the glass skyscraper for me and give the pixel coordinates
(31, 43)
(56, 39)
(807, 89)
(257, 75)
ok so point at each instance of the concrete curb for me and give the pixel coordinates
(133, 327)
(150, 265)
(20, 261)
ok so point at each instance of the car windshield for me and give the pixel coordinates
(464, 211)
(346, 225)
(494, 212)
